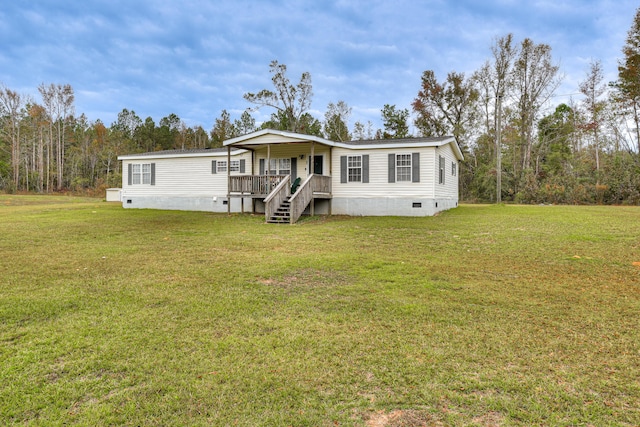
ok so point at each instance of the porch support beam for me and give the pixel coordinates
(228, 179)
(268, 167)
(312, 169)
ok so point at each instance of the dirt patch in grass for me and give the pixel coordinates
(401, 418)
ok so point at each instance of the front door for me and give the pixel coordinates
(317, 164)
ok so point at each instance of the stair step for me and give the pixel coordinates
(278, 221)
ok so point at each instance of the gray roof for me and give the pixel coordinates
(398, 141)
(184, 151)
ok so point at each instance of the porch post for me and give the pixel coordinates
(268, 169)
(253, 172)
(228, 179)
(312, 167)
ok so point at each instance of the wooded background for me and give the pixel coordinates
(503, 116)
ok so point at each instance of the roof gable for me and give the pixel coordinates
(270, 136)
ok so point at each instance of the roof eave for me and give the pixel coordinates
(143, 156)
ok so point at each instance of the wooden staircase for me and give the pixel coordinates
(282, 215)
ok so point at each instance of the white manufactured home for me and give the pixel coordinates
(284, 175)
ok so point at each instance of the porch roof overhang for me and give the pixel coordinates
(265, 137)
(262, 138)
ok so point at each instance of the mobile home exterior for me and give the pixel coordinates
(275, 171)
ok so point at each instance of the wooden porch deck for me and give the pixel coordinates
(275, 190)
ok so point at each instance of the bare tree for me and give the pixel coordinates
(290, 101)
(535, 78)
(58, 103)
(593, 88)
(336, 121)
(11, 105)
(494, 80)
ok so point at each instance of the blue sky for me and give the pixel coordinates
(195, 58)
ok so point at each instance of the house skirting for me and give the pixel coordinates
(377, 206)
(208, 204)
(390, 206)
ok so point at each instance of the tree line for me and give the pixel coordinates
(518, 145)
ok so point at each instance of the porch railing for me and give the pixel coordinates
(275, 199)
(300, 200)
(254, 184)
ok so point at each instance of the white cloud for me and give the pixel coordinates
(196, 58)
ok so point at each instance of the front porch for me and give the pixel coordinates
(280, 159)
(281, 205)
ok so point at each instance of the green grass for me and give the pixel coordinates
(483, 315)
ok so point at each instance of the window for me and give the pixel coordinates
(142, 173)
(220, 166)
(454, 168)
(403, 167)
(276, 166)
(146, 173)
(354, 168)
(136, 174)
(441, 170)
(284, 166)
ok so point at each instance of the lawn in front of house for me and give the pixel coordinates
(482, 315)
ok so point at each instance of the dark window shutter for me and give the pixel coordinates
(365, 168)
(153, 174)
(343, 169)
(243, 165)
(441, 167)
(214, 166)
(415, 167)
(444, 162)
(261, 166)
(130, 174)
(392, 167)
(294, 168)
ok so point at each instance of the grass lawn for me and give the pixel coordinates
(481, 316)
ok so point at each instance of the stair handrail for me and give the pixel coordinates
(300, 200)
(273, 201)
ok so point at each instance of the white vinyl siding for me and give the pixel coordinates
(445, 176)
(377, 175)
(185, 177)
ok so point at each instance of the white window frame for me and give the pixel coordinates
(141, 174)
(404, 167)
(136, 174)
(278, 166)
(354, 168)
(146, 173)
(284, 166)
(454, 168)
(221, 166)
(235, 166)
